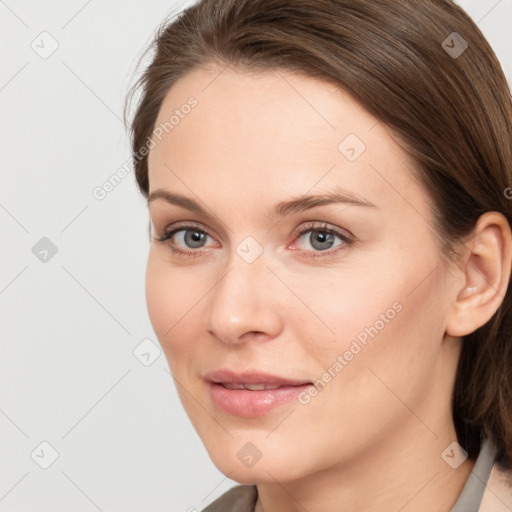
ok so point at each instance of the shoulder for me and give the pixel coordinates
(497, 496)
(240, 498)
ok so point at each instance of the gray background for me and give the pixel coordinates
(71, 323)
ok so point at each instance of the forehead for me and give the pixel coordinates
(275, 130)
(265, 104)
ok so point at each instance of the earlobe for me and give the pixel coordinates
(486, 270)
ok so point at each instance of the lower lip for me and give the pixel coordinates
(244, 402)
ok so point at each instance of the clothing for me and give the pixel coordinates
(487, 489)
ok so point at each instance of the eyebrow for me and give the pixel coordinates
(294, 205)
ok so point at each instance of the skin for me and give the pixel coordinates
(372, 438)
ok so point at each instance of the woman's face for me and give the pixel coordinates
(347, 292)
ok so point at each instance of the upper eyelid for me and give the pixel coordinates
(309, 224)
(186, 226)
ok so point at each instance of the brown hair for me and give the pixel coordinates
(450, 111)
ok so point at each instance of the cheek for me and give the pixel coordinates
(389, 334)
(169, 298)
(158, 297)
(386, 312)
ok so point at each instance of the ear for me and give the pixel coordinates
(486, 270)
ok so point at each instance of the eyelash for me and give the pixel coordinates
(323, 228)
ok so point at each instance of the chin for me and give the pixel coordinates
(264, 470)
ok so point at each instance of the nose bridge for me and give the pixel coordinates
(241, 301)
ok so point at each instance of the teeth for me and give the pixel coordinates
(233, 386)
(251, 387)
(260, 387)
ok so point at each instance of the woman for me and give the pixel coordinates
(329, 190)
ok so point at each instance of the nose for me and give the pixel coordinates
(245, 303)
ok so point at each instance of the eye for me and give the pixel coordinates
(322, 239)
(188, 236)
(192, 238)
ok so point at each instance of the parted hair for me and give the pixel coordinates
(425, 70)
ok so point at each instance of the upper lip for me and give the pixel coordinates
(250, 377)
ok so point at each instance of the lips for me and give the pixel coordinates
(250, 394)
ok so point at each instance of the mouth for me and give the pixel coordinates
(250, 394)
